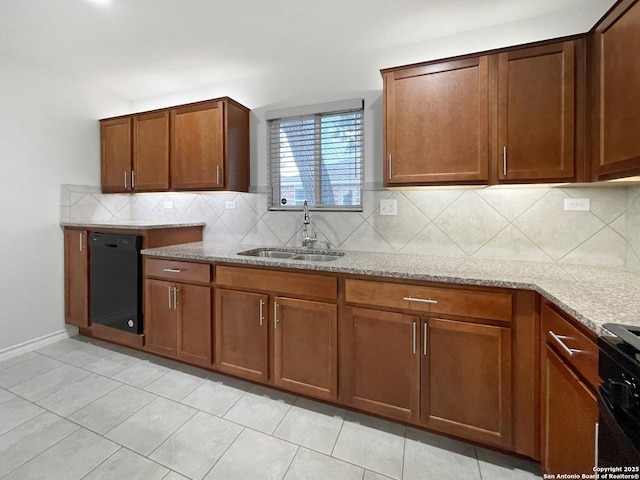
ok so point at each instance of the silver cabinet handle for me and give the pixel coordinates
(426, 327)
(414, 338)
(81, 242)
(217, 174)
(504, 160)
(558, 339)
(420, 300)
(261, 312)
(125, 179)
(172, 270)
(389, 166)
(133, 180)
(595, 456)
(275, 315)
(169, 290)
(175, 298)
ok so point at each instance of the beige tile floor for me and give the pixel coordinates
(79, 409)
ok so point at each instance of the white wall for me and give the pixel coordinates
(48, 135)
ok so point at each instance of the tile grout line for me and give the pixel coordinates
(46, 449)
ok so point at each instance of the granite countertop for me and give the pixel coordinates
(131, 224)
(593, 295)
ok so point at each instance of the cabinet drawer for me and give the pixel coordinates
(417, 298)
(287, 283)
(563, 336)
(178, 271)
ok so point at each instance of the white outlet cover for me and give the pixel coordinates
(388, 206)
(168, 204)
(577, 204)
(230, 204)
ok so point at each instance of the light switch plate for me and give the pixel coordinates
(230, 204)
(388, 206)
(577, 204)
(168, 204)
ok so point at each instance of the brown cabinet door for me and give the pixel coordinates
(160, 319)
(76, 277)
(466, 380)
(616, 102)
(197, 146)
(115, 155)
(436, 123)
(150, 152)
(305, 348)
(382, 363)
(242, 334)
(536, 113)
(569, 414)
(193, 306)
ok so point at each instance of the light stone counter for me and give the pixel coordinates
(130, 224)
(593, 295)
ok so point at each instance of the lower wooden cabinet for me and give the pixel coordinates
(242, 334)
(450, 376)
(178, 321)
(76, 277)
(382, 363)
(569, 407)
(305, 347)
(265, 333)
(466, 380)
(570, 413)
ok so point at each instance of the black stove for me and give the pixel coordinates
(619, 399)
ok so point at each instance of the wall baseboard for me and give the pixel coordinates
(36, 343)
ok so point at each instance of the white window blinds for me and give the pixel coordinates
(317, 157)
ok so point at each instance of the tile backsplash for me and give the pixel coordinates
(523, 223)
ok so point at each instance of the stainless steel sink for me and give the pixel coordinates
(294, 254)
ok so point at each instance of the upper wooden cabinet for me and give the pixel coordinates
(537, 113)
(150, 152)
(200, 146)
(197, 146)
(615, 76)
(510, 117)
(436, 123)
(115, 154)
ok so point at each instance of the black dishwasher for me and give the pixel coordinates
(116, 281)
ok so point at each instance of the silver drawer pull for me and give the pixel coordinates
(420, 300)
(558, 339)
(171, 270)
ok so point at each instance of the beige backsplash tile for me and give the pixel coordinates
(504, 223)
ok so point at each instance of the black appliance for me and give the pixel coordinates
(116, 281)
(619, 399)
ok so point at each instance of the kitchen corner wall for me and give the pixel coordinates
(524, 223)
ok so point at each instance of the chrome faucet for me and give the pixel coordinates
(307, 240)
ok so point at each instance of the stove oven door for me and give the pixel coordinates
(617, 438)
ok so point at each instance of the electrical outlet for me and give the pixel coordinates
(577, 204)
(168, 204)
(230, 204)
(388, 206)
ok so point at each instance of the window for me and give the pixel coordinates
(316, 157)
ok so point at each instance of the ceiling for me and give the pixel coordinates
(144, 48)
